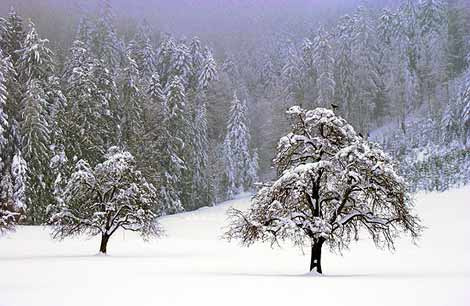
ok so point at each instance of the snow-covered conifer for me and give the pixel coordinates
(92, 100)
(252, 172)
(20, 178)
(201, 184)
(36, 59)
(13, 36)
(324, 62)
(209, 70)
(176, 127)
(236, 147)
(333, 186)
(102, 199)
(131, 103)
(5, 69)
(35, 141)
(105, 44)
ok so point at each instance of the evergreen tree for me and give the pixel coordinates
(19, 173)
(208, 72)
(236, 148)
(5, 69)
(131, 105)
(142, 51)
(176, 127)
(36, 59)
(104, 42)
(35, 143)
(13, 36)
(324, 63)
(91, 94)
(253, 169)
(202, 195)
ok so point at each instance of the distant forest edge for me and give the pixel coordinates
(202, 118)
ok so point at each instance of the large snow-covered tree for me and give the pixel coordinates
(102, 199)
(333, 186)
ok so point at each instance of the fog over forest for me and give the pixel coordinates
(396, 70)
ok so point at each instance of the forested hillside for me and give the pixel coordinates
(202, 116)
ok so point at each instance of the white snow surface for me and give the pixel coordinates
(192, 266)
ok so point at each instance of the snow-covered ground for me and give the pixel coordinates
(192, 266)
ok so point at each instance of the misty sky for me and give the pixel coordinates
(212, 18)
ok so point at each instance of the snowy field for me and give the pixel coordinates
(192, 266)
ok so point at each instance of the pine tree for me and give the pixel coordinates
(91, 94)
(208, 72)
(142, 51)
(176, 128)
(236, 148)
(5, 69)
(324, 62)
(36, 59)
(431, 16)
(13, 36)
(35, 149)
(104, 42)
(131, 105)
(252, 171)
(202, 195)
(19, 173)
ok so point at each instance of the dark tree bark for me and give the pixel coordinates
(104, 243)
(315, 260)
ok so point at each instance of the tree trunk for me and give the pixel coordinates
(104, 243)
(315, 260)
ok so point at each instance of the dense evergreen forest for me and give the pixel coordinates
(202, 117)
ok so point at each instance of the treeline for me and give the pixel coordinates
(377, 67)
(151, 98)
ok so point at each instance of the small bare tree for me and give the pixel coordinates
(100, 200)
(333, 185)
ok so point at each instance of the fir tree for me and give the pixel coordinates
(35, 132)
(36, 59)
(13, 36)
(324, 62)
(236, 150)
(176, 127)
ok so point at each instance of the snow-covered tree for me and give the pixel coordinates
(333, 186)
(209, 70)
(131, 103)
(324, 62)
(19, 174)
(12, 194)
(35, 60)
(102, 199)
(142, 51)
(91, 94)
(175, 129)
(253, 168)
(236, 148)
(201, 193)
(105, 44)
(5, 69)
(13, 36)
(35, 141)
